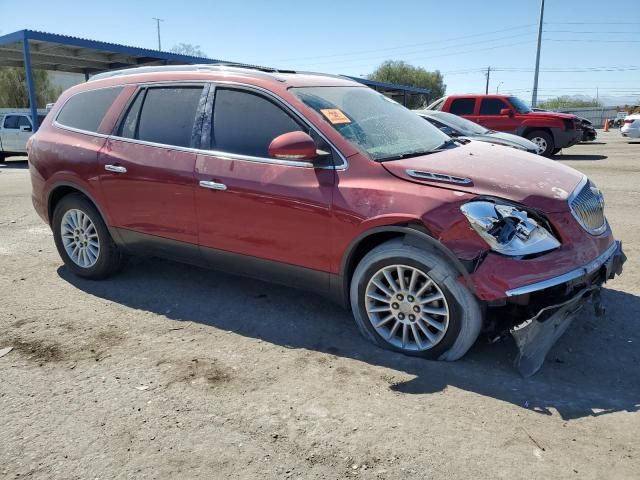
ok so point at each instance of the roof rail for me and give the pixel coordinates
(187, 68)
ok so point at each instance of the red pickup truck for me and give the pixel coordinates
(549, 130)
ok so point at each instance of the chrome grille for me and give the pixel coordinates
(587, 206)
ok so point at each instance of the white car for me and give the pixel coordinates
(15, 130)
(631, 126)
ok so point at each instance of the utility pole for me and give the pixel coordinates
(534, 96)
(158, 20)
(488, 74)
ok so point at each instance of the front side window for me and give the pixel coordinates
(463, 106)
(86, 110)
(11, 122)
(519, 105)
(492, 106)
(245, 123)
(23, 122)
(379, 126)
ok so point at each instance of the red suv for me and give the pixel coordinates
(549, 130)
(318, 182)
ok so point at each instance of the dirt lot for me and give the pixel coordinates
(169, 371)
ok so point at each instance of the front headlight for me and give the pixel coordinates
(508, 230)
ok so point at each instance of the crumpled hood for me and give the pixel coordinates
(497, 171)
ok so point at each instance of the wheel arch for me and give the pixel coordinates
(413, 234)
(61, 190)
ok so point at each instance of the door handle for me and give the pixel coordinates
(212, 185)
(115, 169)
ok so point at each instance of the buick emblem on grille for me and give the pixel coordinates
(587, 207)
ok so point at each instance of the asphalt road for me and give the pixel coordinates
(170, 371)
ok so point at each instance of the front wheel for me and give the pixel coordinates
(408, 299)
(543, 140)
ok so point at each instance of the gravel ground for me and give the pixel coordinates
(170, 371)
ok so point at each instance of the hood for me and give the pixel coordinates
(556, 115)
(502, 138)
(521, 177)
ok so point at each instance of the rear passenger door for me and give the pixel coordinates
(10, 132)
(464, 107)
(147, 168)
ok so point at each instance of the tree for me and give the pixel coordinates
(189, 49)
(397, 71)
(13, 88)
(567, 101)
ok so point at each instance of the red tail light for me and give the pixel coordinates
(628, 120)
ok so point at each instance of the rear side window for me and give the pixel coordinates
(245, 123)
(163, 115)
(491, 106)
(86, 110)
(462, 106)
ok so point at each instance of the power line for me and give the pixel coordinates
(418, 52)
(400, 47)
(378, 58)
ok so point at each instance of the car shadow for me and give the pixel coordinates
(593, 370)
(580, 157)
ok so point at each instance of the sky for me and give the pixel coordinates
(589, 47)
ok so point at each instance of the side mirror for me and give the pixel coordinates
(25, 128)
(506, 111)
(293, 146)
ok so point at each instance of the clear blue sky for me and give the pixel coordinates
(459, 38)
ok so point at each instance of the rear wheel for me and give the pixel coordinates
(556, 151)
(543, 140)
(408, 299)
(83, 240)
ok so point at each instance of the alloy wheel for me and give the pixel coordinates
(407, 308)
(80, 238)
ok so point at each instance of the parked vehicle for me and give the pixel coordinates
(15, 130)
(551, 131)
(631, 126)
(321, 183)
(589, 133)
(458, 127)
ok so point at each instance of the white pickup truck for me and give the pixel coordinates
(15, 130)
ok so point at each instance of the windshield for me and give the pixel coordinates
(462, 125)
(381, 127)
(519, 105)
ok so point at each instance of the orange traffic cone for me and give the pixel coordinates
(606, 125)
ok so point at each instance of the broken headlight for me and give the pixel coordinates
(507, 229)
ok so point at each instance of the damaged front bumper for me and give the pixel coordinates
(544, 310)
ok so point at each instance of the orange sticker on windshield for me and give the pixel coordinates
(335, 115)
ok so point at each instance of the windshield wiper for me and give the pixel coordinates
(401, 156)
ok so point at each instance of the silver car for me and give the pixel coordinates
(456, 126)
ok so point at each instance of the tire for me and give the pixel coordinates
(556, 151)
(96, 263)
(542, 139)
(463, 321)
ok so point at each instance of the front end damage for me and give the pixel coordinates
(536, 315)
